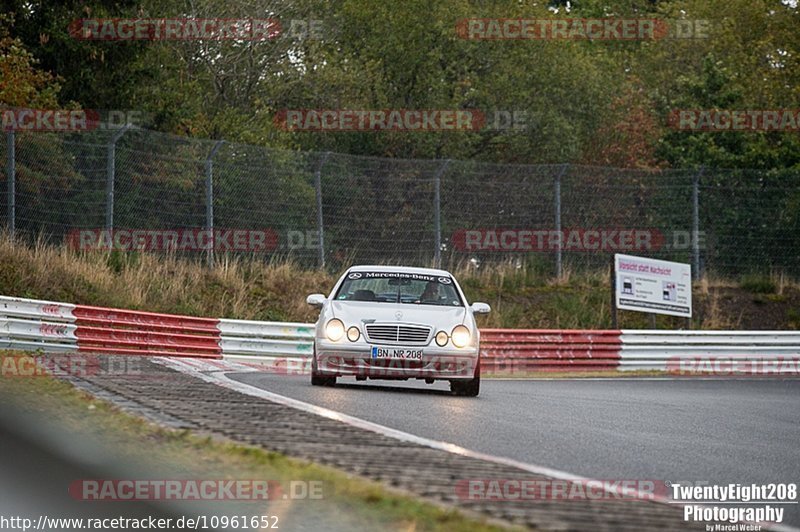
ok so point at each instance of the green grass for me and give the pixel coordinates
(758, 284)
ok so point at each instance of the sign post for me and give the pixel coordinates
(650, 285)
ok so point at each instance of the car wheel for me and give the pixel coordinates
(321, 380)
(470, 388)
(316, 378)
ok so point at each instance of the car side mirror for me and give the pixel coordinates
(481, 308)
(316, 300)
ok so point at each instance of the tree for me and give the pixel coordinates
(22, 82)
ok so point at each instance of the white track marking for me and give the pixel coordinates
(217, 376)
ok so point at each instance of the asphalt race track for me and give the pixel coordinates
(690, 430)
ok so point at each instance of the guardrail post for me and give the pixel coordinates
(320, 227)
(696, 224)
(110, 176)
(557, 208)
(437, 213)
(11, 177)
(210, 201)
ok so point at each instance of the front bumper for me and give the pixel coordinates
(345, 358)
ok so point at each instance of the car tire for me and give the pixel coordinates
(316, 378)
(470, 388)
(321, 380)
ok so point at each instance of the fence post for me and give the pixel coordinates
(110, 175)
(696, 223)
(210, 201)
(11, 177)
(320, 228)
(557, 201)
(437, 213)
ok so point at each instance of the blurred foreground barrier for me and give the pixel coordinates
(29, 324)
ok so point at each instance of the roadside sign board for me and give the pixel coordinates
(650, 285)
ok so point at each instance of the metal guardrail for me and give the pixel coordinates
(32, 324)
(131, 332)
(515, 350)
(257, 329)
(711, 351)
(36, 309)
(256, 340)
(29, 324)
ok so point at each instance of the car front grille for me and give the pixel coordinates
(398, 334)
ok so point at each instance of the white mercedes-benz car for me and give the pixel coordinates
(387, 322)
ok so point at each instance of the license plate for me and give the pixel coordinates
(396, 352)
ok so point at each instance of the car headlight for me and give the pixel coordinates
(353, 334)
(460, 336)
(441, 338)
(334, 330)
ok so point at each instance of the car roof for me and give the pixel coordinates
(403, 269)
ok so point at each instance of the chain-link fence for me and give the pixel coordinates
(138, 189)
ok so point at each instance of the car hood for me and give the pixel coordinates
(352, 312)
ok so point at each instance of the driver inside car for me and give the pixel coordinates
(430, 294)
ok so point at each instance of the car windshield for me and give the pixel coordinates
(399, 287)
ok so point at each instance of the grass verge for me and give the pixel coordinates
(522, 295)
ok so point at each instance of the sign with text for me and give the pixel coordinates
(650, 285)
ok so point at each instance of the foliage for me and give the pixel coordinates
(602, 103)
